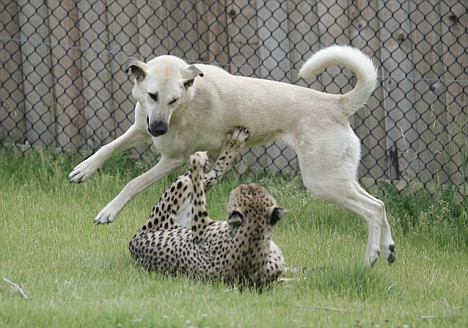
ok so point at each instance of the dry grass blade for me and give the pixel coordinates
(317, 307)
(17, 287)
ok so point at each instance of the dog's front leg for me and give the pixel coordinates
(133, 137)
(137, 185)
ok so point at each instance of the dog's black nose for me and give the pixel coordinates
(157, 128)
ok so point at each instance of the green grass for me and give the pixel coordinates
(77, 274)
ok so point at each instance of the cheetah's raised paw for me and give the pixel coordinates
(197, 161)
(236, 138)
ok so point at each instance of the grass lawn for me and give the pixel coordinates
(77, 274)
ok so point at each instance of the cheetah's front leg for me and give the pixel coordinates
(172, 211)
(232, 145)
(200, 217)
(174, 208)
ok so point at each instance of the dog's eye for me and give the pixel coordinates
(154, 96)
(173, 101)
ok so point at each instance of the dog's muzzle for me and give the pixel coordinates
(157, 128)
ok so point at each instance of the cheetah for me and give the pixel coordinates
(238, 250)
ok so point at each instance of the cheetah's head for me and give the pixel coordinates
(251, 204)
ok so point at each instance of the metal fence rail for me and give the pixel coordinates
(62, 83)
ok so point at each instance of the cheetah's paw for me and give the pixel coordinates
(197, 161)
(237, 137)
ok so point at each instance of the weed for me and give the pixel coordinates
(418, 207)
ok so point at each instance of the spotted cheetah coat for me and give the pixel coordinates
(237, 250)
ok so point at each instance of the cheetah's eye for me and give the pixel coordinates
(235, 218)
(238, 214)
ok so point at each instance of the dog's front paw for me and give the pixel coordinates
(108, 213)
(84, 170)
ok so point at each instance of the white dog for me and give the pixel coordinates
(185, 108)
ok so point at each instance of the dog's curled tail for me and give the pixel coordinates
(353, 59)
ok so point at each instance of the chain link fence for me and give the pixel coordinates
(62, 82)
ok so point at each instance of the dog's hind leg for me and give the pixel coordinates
(348, 194)
(386, 241)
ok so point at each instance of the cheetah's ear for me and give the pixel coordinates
(235, 218)
(277, 214)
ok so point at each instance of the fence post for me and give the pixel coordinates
(332, 20)
(303, 38)
(66, 71)
(398, 89)
(455, 42)
(97, 78)
(36, 69)
(12, 113)
(124, 39)
(272, 33)
(211, 23)
(243, 58)
(367, 122)
(430, 106)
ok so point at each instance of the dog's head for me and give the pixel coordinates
(162, 85)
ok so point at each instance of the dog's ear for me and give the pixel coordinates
(190, 74)
(136, 69)
(277, 214)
